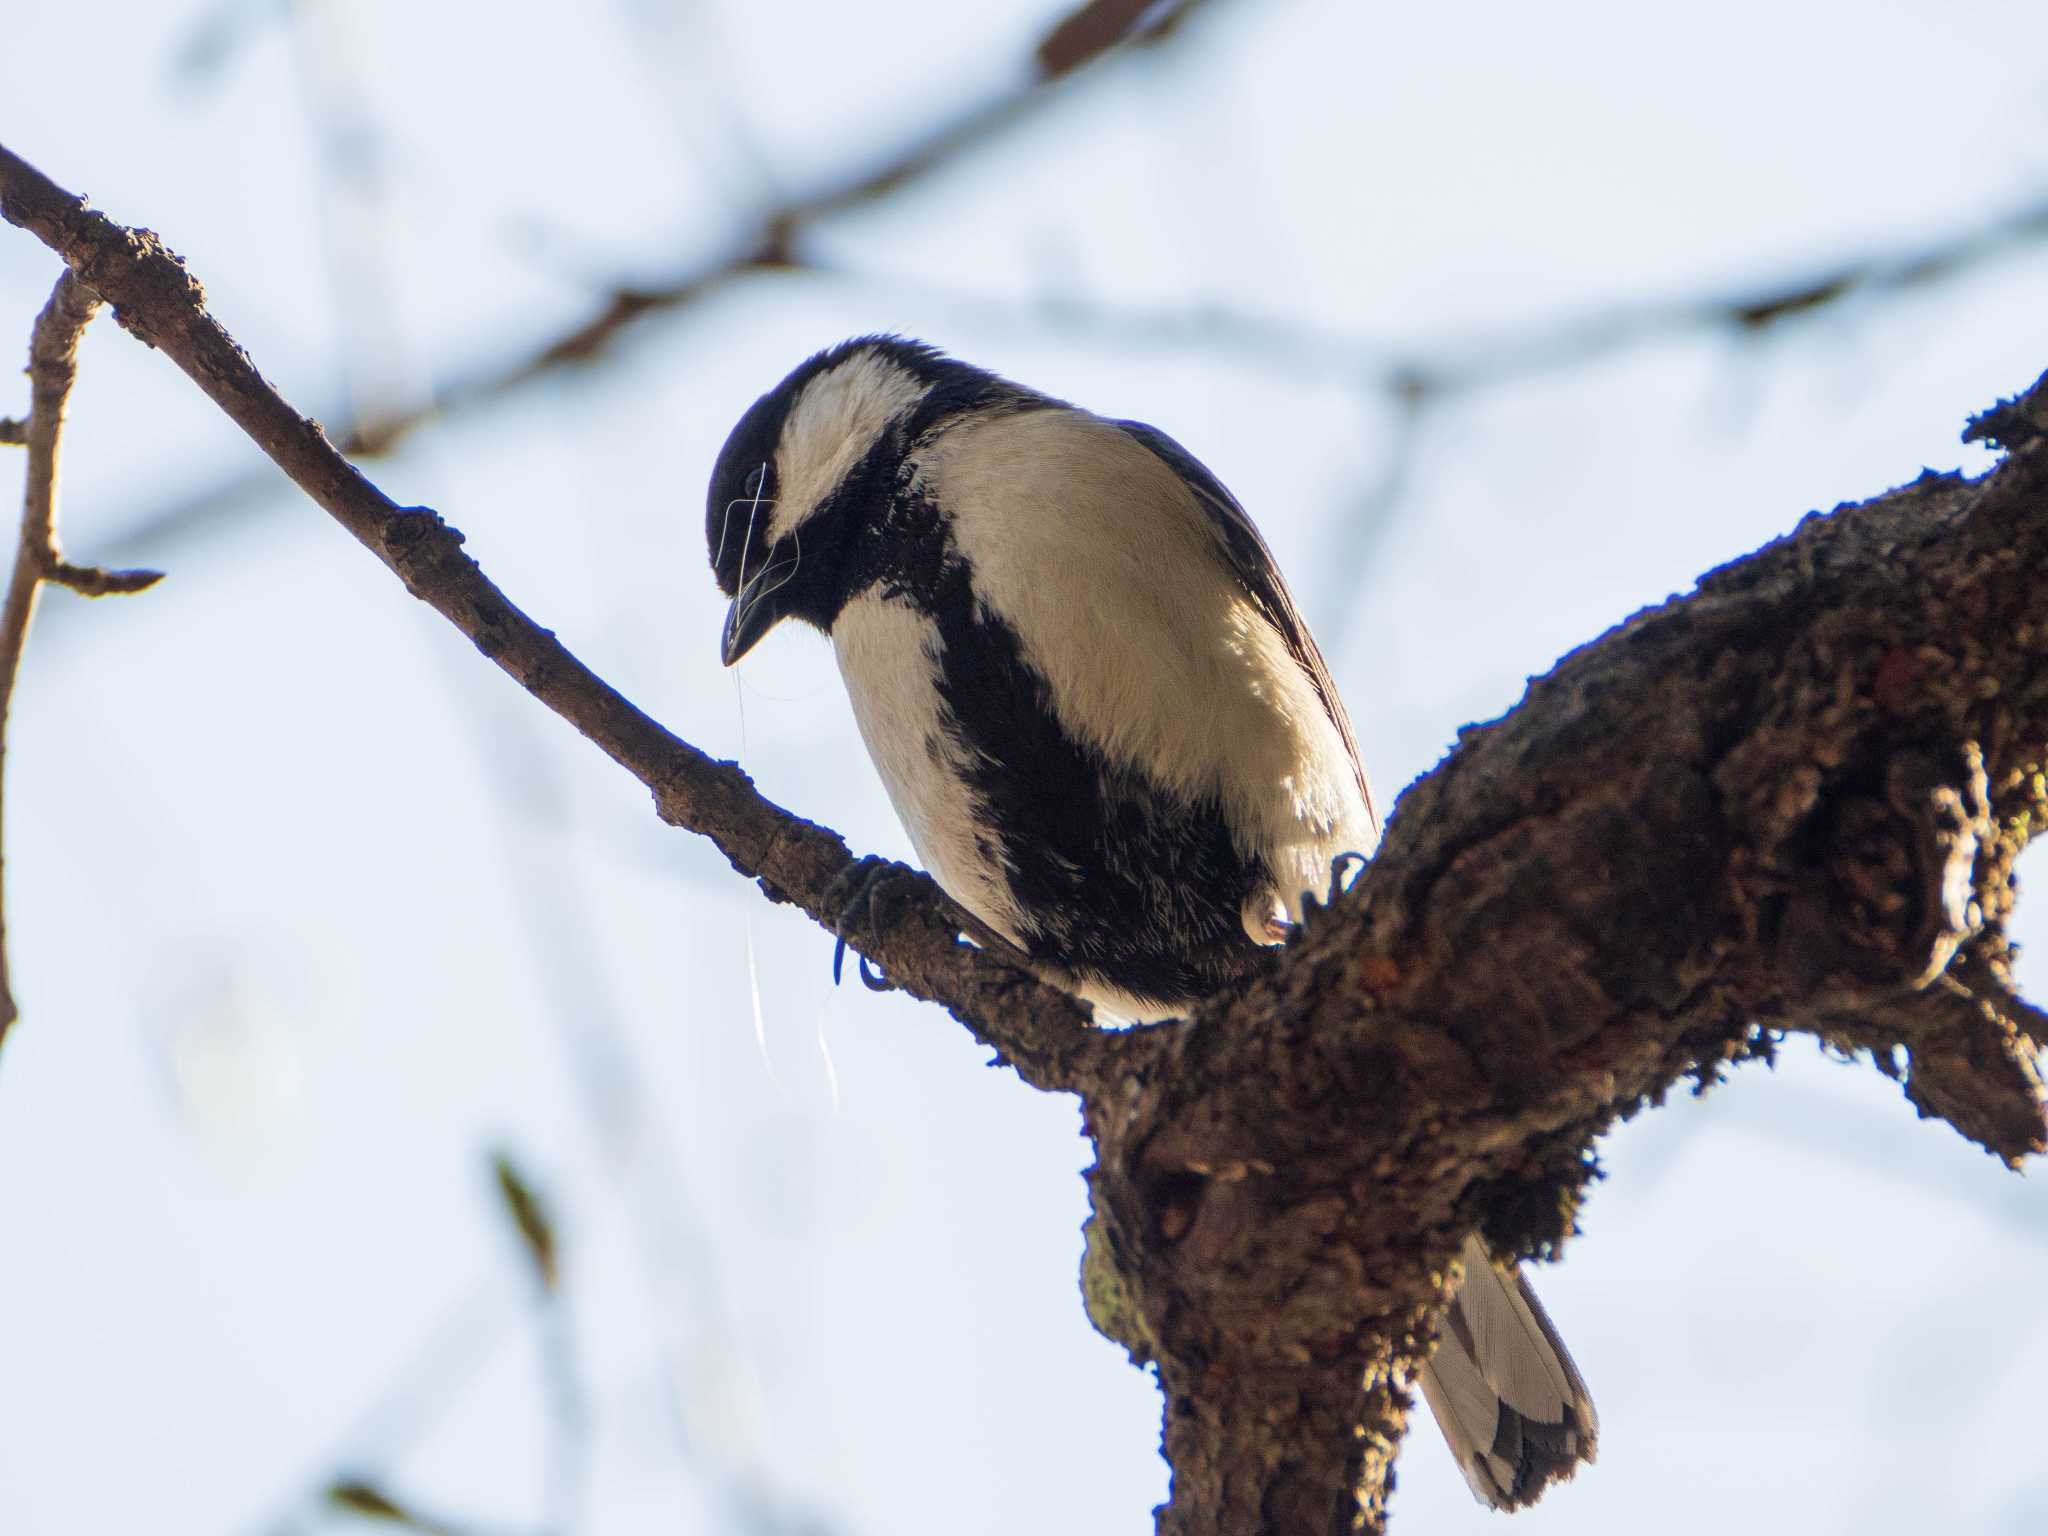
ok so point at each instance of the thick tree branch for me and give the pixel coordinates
(1789, 801)
(52, 366)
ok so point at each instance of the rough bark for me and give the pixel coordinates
(1791, 800)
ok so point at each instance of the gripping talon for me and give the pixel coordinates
(1341, 865)
(856, 891)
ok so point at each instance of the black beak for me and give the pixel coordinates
(757, 609)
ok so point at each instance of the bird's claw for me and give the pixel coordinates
(1344, 872)
(857, 890)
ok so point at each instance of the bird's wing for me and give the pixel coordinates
(1253, 564)
(1504, 1389)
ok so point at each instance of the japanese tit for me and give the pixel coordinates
(1103, 724)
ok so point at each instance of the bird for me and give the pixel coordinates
(1105, 728)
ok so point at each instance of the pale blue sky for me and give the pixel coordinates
(309, 907)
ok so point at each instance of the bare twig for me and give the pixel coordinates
(52, 366)
(1041, 1031)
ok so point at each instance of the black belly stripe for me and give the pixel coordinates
(1120, 880)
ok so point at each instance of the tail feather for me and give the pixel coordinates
(1504, 1389)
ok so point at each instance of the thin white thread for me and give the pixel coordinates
(747, 544)
(724, 525)
(825, 1051)
(739, 695)
(740, 702)
(762, 596)
(760, 1017)
(725, 522)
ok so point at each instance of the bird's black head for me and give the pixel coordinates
(814, 465)
(809, 461)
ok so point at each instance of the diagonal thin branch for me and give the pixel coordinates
(1041, 1031)
(52, 367)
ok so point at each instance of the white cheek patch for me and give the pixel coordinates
(888, 655)
(837, 417)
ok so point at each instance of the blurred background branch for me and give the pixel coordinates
(1411, 381)
(771, 243)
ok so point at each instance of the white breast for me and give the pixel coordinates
(1114, 579)
(887, 654)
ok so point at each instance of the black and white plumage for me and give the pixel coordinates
(1102, 722)
(1504, 1388)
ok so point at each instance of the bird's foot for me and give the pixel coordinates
(1344, 872)
(863, 895)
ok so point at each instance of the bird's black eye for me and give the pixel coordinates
(756, 481)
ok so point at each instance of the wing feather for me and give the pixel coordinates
(1252, 563)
